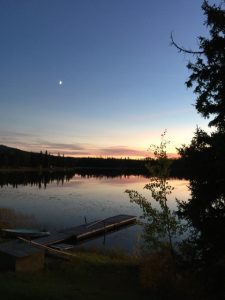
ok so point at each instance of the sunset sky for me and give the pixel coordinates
(97, 77)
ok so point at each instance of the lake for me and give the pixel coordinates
(59, 204)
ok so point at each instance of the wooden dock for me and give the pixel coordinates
(88, 230)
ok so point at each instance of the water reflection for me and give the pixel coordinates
(65, 199)
(43, 178)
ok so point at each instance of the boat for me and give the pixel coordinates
(24, 232)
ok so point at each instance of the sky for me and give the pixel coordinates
(97, 77)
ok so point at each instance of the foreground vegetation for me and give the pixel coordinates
(87, 276)
(92, 275)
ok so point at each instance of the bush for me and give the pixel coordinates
(163, 280)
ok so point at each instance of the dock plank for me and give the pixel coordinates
(88, 230)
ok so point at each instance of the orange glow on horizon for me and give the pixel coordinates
(70, 149)
(169, 155)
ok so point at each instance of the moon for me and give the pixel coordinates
(60, 82)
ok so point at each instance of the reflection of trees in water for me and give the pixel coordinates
(42, 179)
(109, 173)
(9, 218)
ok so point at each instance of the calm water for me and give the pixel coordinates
(61, 205)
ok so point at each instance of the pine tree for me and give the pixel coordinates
(208, 69)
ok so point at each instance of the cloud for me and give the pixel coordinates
(36, 144)
(16, 139)
(82, 149)
(60, 146)
(14, 134)
(122, 151)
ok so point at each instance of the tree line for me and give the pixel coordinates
(11, 158)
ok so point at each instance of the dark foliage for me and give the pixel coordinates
(205, 160)
(209, 68)
(204, 250)
(204, 157)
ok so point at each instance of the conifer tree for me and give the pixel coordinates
(208, 69)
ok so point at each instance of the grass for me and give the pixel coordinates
(87, 276)
(107, 275)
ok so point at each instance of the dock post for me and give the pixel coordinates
(104, 233)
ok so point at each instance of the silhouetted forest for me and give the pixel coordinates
(11, 158)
